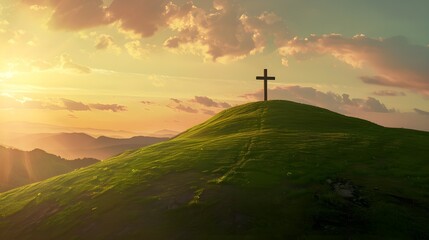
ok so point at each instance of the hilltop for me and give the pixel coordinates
(265, 170)
(18, 168)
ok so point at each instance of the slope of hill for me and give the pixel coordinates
(266, 170)
(19, 168)
(81, 145)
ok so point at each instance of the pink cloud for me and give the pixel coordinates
(208, 102)
(73, 14)
(184, 108)
(397, 62)
(72, 105)
(194, 105)
(178, 105)
(9, 102)
(67, 63)
(176, 100)
(108, 107)
(388, 93)
(336, 102)
(75, 106)
(147, 102)
(144, 17)
(104, 41)
(208, 112)
(224, 32)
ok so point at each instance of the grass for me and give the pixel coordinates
(257, 171)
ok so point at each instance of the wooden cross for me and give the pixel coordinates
(265, 78)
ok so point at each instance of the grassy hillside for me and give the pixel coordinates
(266, 170)
(18, 168)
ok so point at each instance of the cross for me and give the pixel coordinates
(265, 78)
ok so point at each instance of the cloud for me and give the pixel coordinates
(285, 62)
(104, 41)
(18, 38)
(397, 62)
(73, 14)
(143, 17)
(208, 102)
(67, 63)
(108, 107)
(222, 32)
(147, 102)
(158, 81)
(176, 100)
(184, 108)
(38, 7)
(75, 106)
(388, 93)
(3, 25)
(41, 65)
(225, 32)
(60, 63)
(11, 102)
(419, 111)
(373, 105)
(135, 49)
(194, 105)
(208, 112)
(333, 101)
(179, 105)
(79, 106)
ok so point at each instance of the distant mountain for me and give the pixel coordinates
(17, 128)
(81, 145)
(19, 168)
(165, 133)
(266, 170)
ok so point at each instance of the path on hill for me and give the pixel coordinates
(245, 152)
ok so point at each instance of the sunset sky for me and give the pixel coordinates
(146, 65)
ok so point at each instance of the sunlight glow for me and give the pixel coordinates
(7, 75)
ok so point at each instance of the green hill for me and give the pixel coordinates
(18, 168)
(266, 170)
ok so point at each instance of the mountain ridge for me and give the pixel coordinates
(81, 145)
(19, 168)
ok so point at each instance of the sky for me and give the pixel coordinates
(145, 65)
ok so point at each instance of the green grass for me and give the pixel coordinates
(266, 170)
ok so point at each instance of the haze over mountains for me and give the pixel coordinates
(266, 170)
(18, 168)
(80, 145)
(15, 129)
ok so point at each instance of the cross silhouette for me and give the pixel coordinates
(265, 78)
